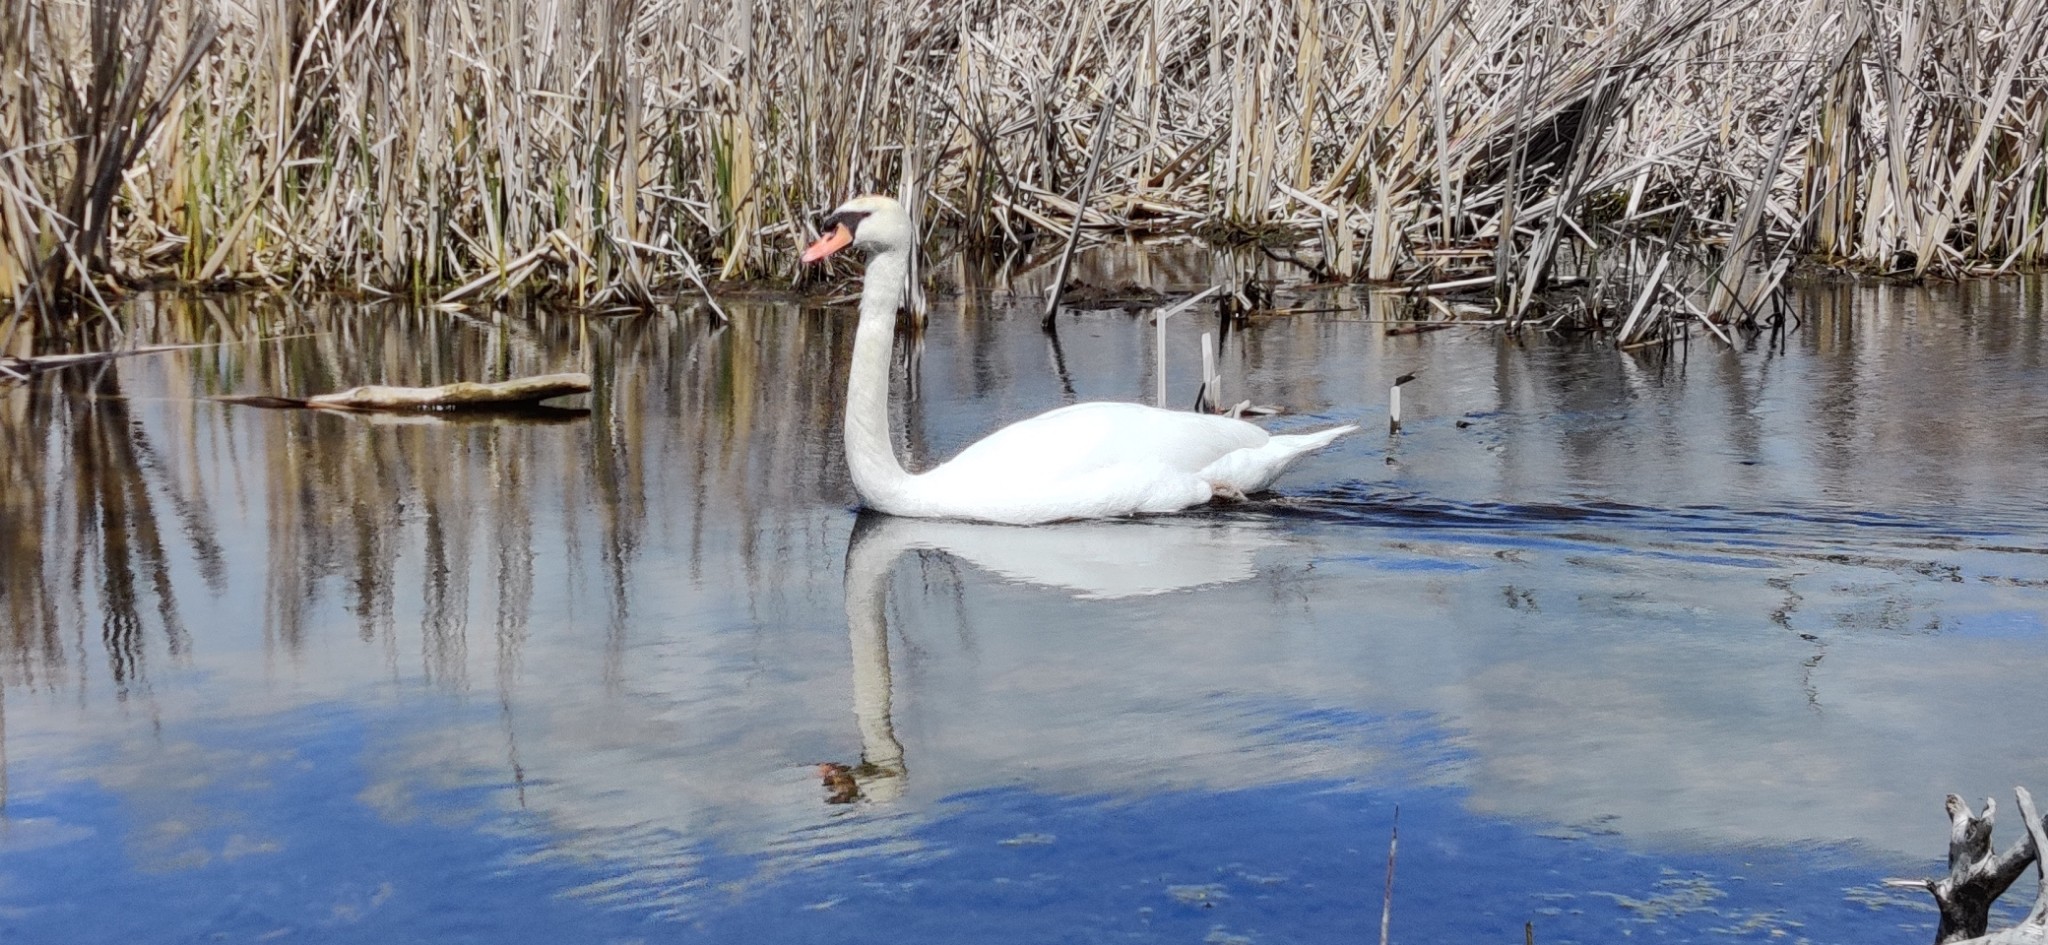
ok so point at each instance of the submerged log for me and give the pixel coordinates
(1977, 876)
(517, 393)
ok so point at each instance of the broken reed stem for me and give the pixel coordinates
(482, 148)
(1394, 402)
(1209, 398)
(1159, 340)
(1104, 128)
(1159, 361)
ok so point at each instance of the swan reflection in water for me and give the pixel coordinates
(1088, 560)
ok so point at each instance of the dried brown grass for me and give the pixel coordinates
(605, 151)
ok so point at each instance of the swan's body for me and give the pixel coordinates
(1091, 460)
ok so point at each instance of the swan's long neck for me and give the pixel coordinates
(878, 475)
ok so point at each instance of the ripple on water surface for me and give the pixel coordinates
(1688, 647)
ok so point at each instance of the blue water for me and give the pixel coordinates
(291, 851)
(1684, 648)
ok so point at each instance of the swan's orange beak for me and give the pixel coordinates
(838, 238)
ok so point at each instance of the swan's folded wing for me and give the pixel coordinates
(1087, 437)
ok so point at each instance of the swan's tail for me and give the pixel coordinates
(1310, 442)
(1253, 470)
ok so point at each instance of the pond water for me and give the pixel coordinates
(1627, 645)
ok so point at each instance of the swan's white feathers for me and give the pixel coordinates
(1090, 460)
(1086, 437)
(1103, 459)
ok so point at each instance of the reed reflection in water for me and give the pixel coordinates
(622, 640)
(339, 555)
(389, 515)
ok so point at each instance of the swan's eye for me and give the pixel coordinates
(847, 218)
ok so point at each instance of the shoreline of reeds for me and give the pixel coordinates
(610, 152)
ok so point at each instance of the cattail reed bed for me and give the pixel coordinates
(613, 152)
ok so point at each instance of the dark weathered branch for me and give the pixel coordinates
(1977, 876)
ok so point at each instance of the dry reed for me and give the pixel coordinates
(604, 151)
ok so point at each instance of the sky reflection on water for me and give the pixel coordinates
(290, 847)
(1686, 648)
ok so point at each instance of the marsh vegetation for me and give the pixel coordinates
(611, 151)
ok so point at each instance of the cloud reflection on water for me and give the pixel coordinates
(632, 630)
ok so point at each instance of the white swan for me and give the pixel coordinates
(1091, 460)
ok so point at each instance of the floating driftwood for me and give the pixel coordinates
(1977, 876)
(522, 393)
